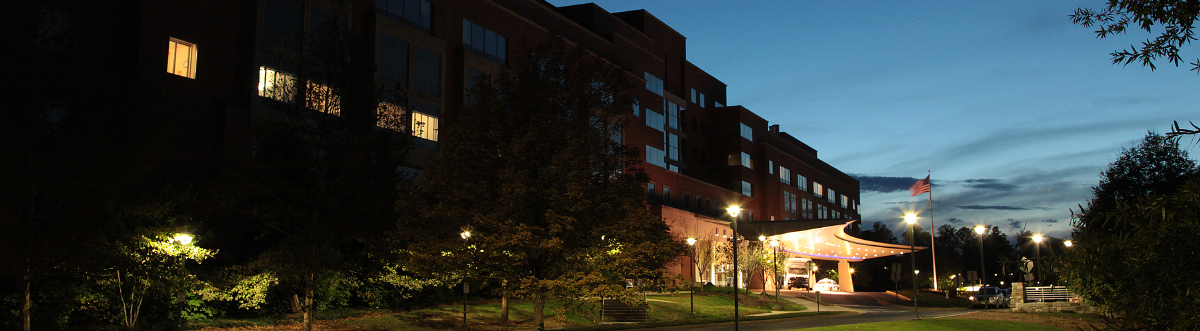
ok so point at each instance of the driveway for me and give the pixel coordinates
(861, 307)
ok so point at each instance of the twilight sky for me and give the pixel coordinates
(1014, 110)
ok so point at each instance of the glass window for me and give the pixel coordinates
(746, 162)
(693, 99)
(701, 103)
(667, 196)
(770, 166)
(650, 193)
(747, 132)
(637, 108)
(415, 13)
(425, 123)
(785, 175)
(719, 104)
(802, 183)
(427, 72)
(483, 42)
(654, 84)
(277, 79)
(181, 58)
(672, 115)
(390, 116)
(655, 120)
(832, 196)
(323, 98)
(393, 60)
(818, 189)
(283, 22)
(672, 146)
(656, 157)
(747, 190)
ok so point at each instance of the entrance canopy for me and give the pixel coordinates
(820, 239)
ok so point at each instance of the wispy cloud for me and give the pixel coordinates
(992, 207)
(1014, 224)
(883, 184)
(990, 184)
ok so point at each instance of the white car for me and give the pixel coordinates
(826, 285)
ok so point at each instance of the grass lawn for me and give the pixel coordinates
(664, 310)
(934, 300)
(947, 324)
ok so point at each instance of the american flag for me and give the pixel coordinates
(920, 187)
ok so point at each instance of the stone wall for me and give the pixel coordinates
(1018, 303)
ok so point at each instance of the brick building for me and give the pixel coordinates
(225, 61)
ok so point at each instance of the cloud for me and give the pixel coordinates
(992, 207)
(1050, 221)
(883, 184)
(1014, 224)
(990, 184)
(954, 220)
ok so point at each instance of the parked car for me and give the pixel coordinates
(991, 296)
(797, 282)
(827, 285)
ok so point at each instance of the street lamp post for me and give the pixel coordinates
(466, 235)
(1037, 251)
(911, 219)
(692, 288)
(183, 239)
(775, 268)
(733, 214)
(979, 229)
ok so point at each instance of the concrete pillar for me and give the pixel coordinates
(845, 280)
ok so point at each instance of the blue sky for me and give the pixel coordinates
(1014, 110)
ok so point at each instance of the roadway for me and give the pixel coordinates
(860, 307)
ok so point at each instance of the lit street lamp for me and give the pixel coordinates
(1068, 243)
(1037, 250)
(911, 219)
(466, 235)
(979, 230)
(183, 239)
(692, 288)
(733, 214)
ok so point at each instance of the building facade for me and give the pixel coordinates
(226, 61)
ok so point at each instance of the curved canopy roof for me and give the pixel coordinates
(820, 239)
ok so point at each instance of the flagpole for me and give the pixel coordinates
(932, 230)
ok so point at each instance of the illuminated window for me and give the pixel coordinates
(324, 99)
(747, 189)
(746, 162)
(425, 123)
(785, 175)
(277, 79)
(390, 116)
(818, 189)
(181, 58)
(747, 132)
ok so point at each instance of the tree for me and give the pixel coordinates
(1136, 242)
(1144, 277)
(1156, 166)
(322, 180)
(554, 204)
(1175, 17)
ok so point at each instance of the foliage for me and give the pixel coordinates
(1175, 17)
(553, 205)
(1145, 276)
(1135, 249)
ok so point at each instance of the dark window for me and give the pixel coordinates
(427, 72)
(687, 201)
(667, 196)
(283, 21)
(393, 60)
(650, 194)
(484, 42)
(326, 29)
(415, 13)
